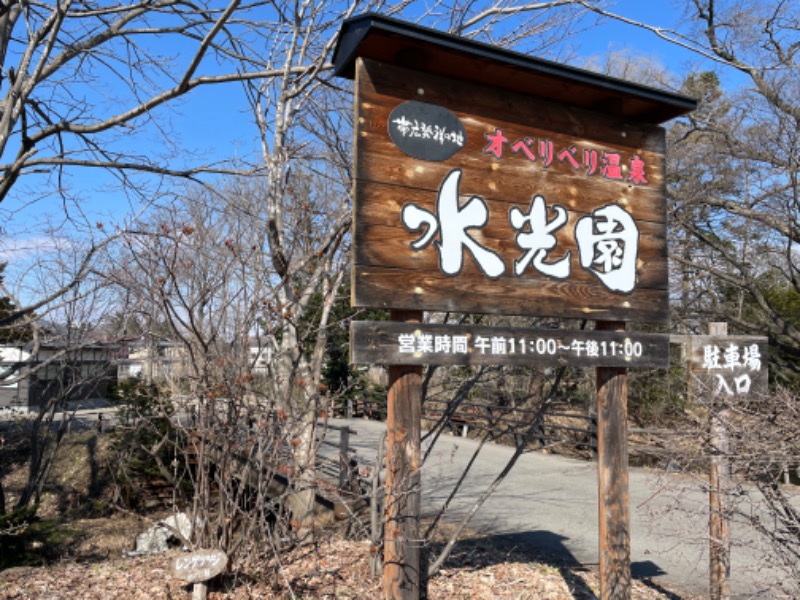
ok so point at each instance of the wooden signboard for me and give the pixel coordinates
(472, 199)
(200, 566)
(492, 182)
(730, 367)
(395, 343)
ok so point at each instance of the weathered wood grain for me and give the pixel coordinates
(612, 477)
(402, 566)
(704, 381)
(390, 247)
(390, 273)
(503, 186)
(378, 342)
(504, 106)
(434, 291)
(719, 485)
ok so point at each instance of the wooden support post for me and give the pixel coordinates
(344, 457)
(718, 486)
(200, 590)
(402, 577)
(612, 477)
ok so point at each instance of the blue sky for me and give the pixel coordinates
(612, 36)
(209, 122)
(215, 122)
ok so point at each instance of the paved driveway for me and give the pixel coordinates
(551, 502)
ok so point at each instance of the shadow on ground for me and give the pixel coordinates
(548, 548)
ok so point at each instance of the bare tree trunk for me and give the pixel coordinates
(302, 495)
(376, 505)
(2, 497)
(44, 445)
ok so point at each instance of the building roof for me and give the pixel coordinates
(404, 44)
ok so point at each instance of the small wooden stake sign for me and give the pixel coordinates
(493, 182)
(719, 486)
(198, 567)
(723, 371)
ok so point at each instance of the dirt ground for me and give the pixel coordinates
(332, 568)
(90, 557)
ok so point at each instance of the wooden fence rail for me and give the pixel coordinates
(543, 427)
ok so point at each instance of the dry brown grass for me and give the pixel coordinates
(93, 562)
